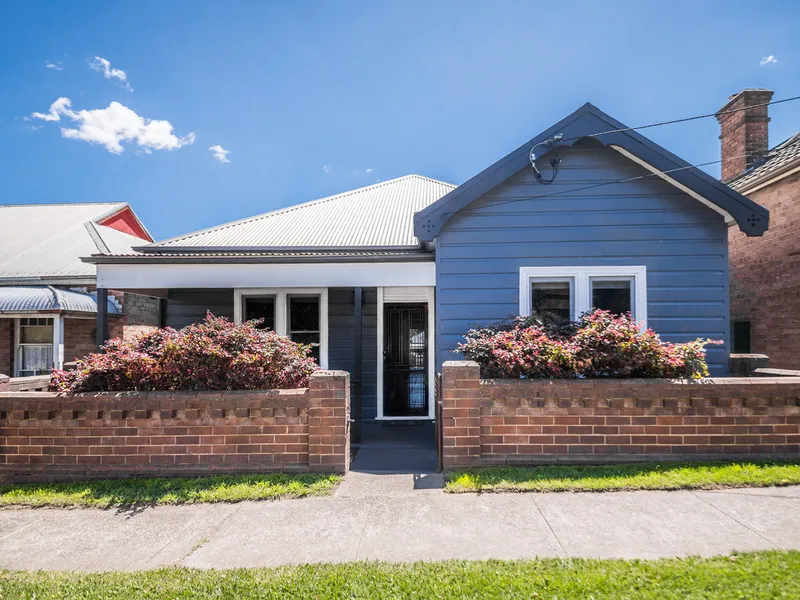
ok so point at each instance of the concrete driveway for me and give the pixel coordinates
(402, 518)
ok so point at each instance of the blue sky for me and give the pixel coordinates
(315, 98)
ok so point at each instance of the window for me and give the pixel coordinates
(299, 313)
(260, 307)
(740, 332)
(614, 295)
(567, 292)
(552, 298)
(304, 322)
(34, 352)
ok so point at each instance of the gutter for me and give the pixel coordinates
(205, 259)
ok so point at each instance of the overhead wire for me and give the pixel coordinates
(605, 183)
(685, 119)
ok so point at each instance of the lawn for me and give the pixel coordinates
(110, 493)
(770, 574)
(637, 476)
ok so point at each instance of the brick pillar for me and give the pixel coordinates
(329, 422)
(461, 414)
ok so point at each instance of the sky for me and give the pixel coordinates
(198, 113)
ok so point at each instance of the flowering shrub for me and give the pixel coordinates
(600, 344)
(213, 355)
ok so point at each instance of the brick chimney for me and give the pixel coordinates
(744, 135)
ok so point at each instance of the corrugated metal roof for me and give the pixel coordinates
(779, 157)
(46, 298)
(48, 240)
(379, 215)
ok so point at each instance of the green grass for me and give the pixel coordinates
(758, 575)
(636, 476)
(110, 493)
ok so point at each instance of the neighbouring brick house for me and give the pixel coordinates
(764, 271)
(48, 299)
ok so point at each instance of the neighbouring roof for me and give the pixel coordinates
(378, 216)
(32, 299)
(781, 157)
(589, 121)
(47, 241)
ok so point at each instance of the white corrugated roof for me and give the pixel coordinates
(48, 240)
(380, 215)
(46, 298)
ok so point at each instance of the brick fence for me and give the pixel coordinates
(499, 422)
(48, 437)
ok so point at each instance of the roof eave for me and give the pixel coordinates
(287, 249)
(167, 258)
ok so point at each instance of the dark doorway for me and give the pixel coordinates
(405, 360)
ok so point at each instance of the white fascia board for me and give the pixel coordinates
(725, 214)
(156, 276)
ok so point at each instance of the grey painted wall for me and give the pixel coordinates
(184, 307)
(682, 243)
(341, 341)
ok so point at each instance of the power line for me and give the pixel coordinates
(597, 185)
(684, 120)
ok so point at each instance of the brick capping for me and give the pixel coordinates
(47, 436)
(502, 422)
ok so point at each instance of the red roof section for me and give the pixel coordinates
(126, 222)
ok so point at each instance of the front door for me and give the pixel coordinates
(405, 360)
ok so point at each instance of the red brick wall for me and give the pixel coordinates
(488, 422)
(45, 436)
(765, 276)
(6, 346)
(79, 338)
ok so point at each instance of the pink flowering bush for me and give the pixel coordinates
(600, 344)
(213, 355)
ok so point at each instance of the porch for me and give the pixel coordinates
(382, 335)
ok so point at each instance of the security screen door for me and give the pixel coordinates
(405, 360)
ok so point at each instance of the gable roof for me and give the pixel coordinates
(47, 241)
(777, 161)
(585, 122)
(378, 216)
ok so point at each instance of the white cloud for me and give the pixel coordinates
(115, 124)
(101, 65)
(220, 153)
(369, 170)
(326, 168)
(768, 60)
(57, 66)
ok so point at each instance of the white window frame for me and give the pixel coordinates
(57, 343)
(581, 279)
(422, 295)
(281, 296)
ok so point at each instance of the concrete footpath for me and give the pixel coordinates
(402, 518)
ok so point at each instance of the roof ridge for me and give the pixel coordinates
(287, 209)
(29, 205)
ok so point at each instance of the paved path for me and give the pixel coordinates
(402, 518)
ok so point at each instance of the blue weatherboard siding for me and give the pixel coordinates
(683, 244)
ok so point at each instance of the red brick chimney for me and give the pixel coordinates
(744, 135)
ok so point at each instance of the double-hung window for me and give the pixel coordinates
(565, 293)
(301, 314)
(34, 351)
